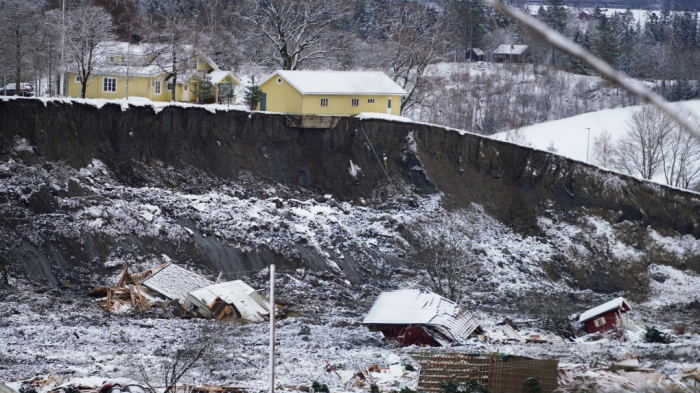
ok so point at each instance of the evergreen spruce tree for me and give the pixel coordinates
(203, 89)
(253, 94)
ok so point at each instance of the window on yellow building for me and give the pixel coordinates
(109, 85)
(169, 86)
(158, 87)
(324, 101)
(355, 102)
(370, 100)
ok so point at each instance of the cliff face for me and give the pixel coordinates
(357, 161)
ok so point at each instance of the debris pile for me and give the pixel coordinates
(127, 294)
(199, 296)
(394, 377)
(624, 374)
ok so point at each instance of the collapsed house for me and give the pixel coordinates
(200, 296)
(175, 282)
(414, 317)
(605, 317)
(233, 299)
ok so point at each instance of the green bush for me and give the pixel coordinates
(373, 388)
(408, 367)
(471, 386)
(407, 390)
(653, 335)
(532, 385)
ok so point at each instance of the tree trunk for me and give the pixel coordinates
(18, 55)
(173, 97)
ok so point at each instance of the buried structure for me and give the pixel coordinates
(232, 299)
(411, 316)
(607, 316)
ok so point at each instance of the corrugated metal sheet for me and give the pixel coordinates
(236, 293)
(175, 282)
(415, 307)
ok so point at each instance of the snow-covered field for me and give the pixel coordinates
(570, 136)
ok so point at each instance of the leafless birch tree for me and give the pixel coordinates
(89, 30)
(298, 31)
(175, 42)
(640, 149)
(681, 158)
(19, 20)
(604, 150)
(443, 249)
(414, 43)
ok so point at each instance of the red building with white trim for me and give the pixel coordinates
(606, 316)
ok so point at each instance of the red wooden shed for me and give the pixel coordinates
(606, 316)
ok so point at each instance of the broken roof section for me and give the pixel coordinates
(232, 299)
(175, 282)
(449, 322)
(619, 303)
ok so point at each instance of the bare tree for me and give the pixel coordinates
(415, 42)
(174, 366)
(176, 43)
(640, 148)
(89, 32)
(443, 249)
(298, 31)
(604, 150)
(681, 158)
(19, 19)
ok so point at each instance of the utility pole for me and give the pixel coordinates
(272, 328)
(63, 50)
(588, 143)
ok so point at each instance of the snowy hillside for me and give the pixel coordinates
(569, 136)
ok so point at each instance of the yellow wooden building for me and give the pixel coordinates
(123, 65)
(331, 93)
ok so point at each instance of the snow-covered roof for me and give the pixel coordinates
(604, 308)
(123, 48)
(340, 82)
(218, 76)
(508, 49)
(415, 307)
(477, 51)
(175, 282)
(237, 293)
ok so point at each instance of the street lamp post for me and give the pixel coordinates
(588, 142)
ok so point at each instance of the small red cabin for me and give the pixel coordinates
(606, 316)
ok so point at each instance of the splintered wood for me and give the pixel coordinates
(500, 374)
(126, 294)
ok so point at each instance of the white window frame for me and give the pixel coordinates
(370, 100)
(324, 102)
(598, 322)
(194, 66)
(112, 59)
(104, 84)
(78, 79)
(169, 86)
(279, 80)
(355, 102)
(158, 87)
